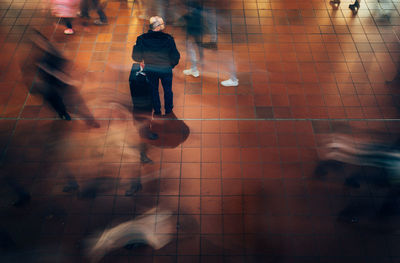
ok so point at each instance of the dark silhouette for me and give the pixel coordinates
(158, 52)
(54, 84)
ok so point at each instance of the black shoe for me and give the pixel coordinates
(334, 3)
(145, 159)
(152, 136)
(168, 112)
(65, 116)
(157, 113)
(134, 189)
(354, 7)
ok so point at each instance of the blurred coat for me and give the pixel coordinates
(65, 8)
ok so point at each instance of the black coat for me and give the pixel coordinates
(156, 49)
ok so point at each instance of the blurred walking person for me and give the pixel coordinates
(147, 229)
(194, 30)
(49, 63)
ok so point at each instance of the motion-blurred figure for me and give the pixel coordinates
(194, 30)
(50, 64)
(147, 8)
(66, 10)
(361, 153)
(346, 150)
(148, 229)
(53, 82)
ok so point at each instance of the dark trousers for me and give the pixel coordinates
(52, 92)
(154, 78)
(68, 22)
(96, 5)
(55, 100)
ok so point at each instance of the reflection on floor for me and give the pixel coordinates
(239, 167)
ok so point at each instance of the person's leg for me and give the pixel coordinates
(192, 54)
(227, 57)
(102, 15)
(100, 12)
(166, 82)
(193, 59)
(57, 103)
(153, 78)
(68, 24)
(198, 41)
(233, 75)
(84, 9)
(211, 18)
(142, 9)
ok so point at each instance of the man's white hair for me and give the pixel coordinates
(156, 23)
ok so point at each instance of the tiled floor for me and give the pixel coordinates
(240, 181)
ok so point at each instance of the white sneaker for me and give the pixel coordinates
(69, 31)
(230, 83)
(194, 73)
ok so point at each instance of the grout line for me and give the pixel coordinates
(213, 119)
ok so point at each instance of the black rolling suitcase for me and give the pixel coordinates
(140, 88)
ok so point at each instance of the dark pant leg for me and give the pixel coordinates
(68, 22)
(198, 40)
(55, 101)
(166, 81)
(153, 78)
(85, 8)
(100, 11)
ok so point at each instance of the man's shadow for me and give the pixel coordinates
(171, 131)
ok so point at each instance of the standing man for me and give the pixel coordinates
(159, 53)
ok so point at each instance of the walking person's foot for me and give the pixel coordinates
(145, 159)
(69, 31)
(230, 83)
(100, 23)
(191, 72)
(65, 116)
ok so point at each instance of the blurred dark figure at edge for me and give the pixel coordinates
(370, 154)
(49, 63)
(159, 53)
